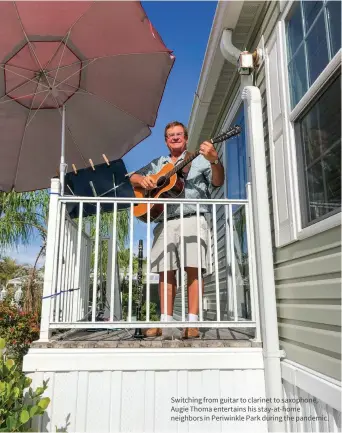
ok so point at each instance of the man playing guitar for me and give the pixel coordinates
(206, 171)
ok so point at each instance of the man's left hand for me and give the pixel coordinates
(208, 151)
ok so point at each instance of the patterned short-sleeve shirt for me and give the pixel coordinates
(197, 184)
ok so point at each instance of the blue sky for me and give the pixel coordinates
(184, 28)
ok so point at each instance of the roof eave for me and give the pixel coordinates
(226, 17)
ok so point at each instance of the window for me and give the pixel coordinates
(236, 175)
(236, 170)
(313, 38)
(319, 132)
(313, 30)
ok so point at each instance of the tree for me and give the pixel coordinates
(24, 216)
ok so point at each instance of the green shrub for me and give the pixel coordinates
(19, 403)
(19, 329)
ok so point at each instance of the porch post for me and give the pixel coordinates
(51, 243)
(264, 256)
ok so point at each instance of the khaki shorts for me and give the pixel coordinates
(173, 255)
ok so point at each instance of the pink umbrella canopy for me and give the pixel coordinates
(101, 60)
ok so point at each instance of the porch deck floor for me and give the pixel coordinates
(223, 337)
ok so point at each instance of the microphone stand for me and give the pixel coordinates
(138, 333)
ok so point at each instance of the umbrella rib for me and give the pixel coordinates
(19, 86)
(68, 33)
(19, 67)
(20, 97)
(29, 43)
(77, 72)
(22, 140)
(60, 60)
(23, 76)
(36, 111)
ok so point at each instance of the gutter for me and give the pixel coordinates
(262, 229)
(226, 16)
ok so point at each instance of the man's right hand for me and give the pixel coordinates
(147, 182)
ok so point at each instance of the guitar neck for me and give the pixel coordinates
(182, 164)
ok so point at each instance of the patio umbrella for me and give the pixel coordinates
(77, 80)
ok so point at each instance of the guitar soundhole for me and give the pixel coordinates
(161, 181)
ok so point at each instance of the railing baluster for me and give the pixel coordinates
(148, 264)
(65, 273)
(232, 249)
(72, 279)
(78, 260)
(199, 264)
(229, 282)
(96, 261)
(217, 286)
(87, 279)
(60, 262)
(182, 260)
(130, 290)
(55, 264)
(113, 267)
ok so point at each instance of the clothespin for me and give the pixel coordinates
(92, 165)
(74, 168)
(106, 159)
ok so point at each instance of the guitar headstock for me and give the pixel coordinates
(231, 132)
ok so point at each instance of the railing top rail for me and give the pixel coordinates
(74, 199)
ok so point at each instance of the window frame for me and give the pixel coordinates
(293, 115)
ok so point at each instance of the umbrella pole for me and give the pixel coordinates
(63, 165)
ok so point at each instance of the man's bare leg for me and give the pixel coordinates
(193, 301)
(170, 291)
(193, 295)
(171, 294)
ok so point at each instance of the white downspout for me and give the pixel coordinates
(263, 241)
(227, 48)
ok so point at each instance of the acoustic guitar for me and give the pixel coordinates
(169, 181)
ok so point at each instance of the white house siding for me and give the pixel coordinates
(108, 390)
(307, 275)
(308, 279)
(308, 284)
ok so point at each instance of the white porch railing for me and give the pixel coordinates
(74, 299)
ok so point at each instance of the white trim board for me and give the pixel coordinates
(324, 388)
(142, 359)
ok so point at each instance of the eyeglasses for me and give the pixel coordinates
(174, 134)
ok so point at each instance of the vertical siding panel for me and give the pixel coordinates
(149, 401)
(82, 401)
(98, 402)
(65, 384)
(255, 381)
(165, 388)
(133, 401)
(115, 408)
(211, 389)
(196, 390)
(182, 391)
